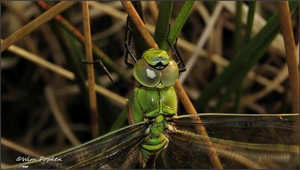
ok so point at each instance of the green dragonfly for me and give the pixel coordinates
(232, 140)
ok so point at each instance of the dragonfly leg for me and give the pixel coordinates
(127, 42)
(104, 68)
(176, 52)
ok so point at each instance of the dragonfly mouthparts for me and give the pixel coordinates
(159, 66)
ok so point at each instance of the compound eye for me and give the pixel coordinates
(145, 74)
(170, 74)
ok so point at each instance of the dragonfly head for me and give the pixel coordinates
(156, 69)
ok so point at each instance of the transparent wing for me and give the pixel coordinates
(114, 150)
(241, 141)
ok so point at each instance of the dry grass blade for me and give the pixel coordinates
(58, 116)
(20, 148)
(139, 24)
(179, 89)
(29, 118)
(290, 49)
(76, 33)
(42, 62)
(33, 25)
(108, 10)
(15, 11)
(203, 38)
(90, 68)
(270, 86)
(61, 71)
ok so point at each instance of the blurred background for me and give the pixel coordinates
(37, 103)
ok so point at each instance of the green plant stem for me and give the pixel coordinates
(250, 19)
(249, 24)
(178, 24)
(237, 45)
(238, 27)
(163, 21)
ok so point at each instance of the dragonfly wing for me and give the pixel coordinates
(239, 142)
(115, 150)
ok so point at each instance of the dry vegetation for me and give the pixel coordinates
(45, 108)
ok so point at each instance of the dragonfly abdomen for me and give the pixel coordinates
(155, 141)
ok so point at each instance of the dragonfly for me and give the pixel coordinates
(206, 140)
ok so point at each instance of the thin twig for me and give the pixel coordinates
(90, 68)
(290, 50)
(179, 89)
(46, 16)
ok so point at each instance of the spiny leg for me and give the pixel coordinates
(127, 42)
(176, 52)
(104, 68)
